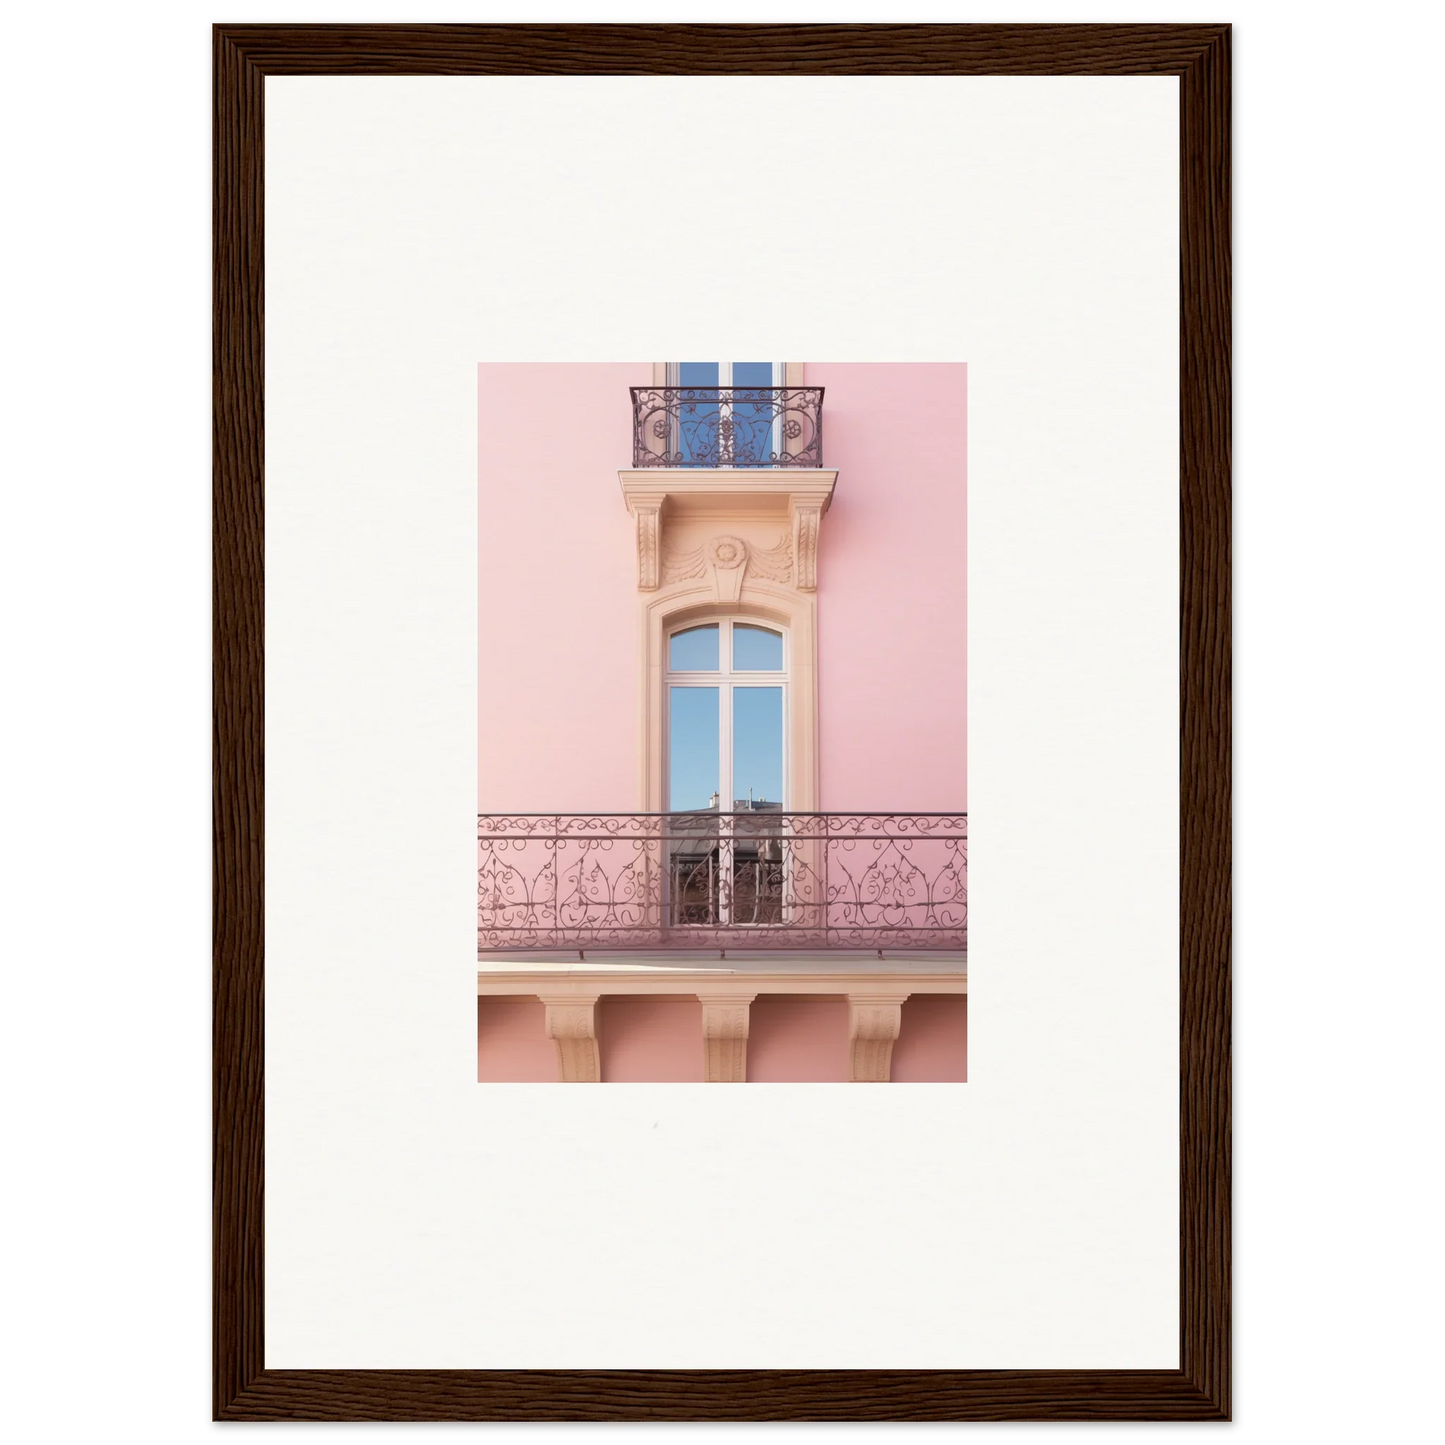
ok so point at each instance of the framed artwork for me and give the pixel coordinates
(637, 721)
(753, 866)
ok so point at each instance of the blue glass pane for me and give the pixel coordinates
(757, 746)
(695, 650)
(752, 373)
(697, 416)
(692, 748)
(753, 442)
(757, 649)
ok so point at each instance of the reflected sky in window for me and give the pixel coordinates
(758, 744)
(693, 747)
(757, 649)
(695, 650)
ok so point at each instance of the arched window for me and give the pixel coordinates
(727, 762)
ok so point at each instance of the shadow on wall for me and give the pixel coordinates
(792, 1038)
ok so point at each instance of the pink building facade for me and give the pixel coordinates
(722, 736)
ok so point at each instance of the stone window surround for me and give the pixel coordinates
(730, 584)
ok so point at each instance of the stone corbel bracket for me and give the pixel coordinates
(807, 520)
(874, 1024)
(572, 1026)
(725, 1039)
(649, 545)
(803, 493)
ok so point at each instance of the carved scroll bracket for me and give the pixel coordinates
(572, 1026)
(649, 546)
(725, 1039)
(874, 1024)
(807, 522)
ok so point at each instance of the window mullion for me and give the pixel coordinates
(725, 736)
(725, 801)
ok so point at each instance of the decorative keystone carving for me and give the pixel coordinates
(649, 528)
(725, 1039)
(728, 557)
(873, 1026)
(572, 1026)
(806, 522)
(727, 552)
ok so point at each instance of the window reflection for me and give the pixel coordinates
(757, 748)
(757, 649)
(695, 650)
(693, 747)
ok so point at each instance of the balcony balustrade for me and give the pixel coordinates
(728, 426)
(746, 881)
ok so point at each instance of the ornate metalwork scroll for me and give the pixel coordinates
(727, 426)
(712, 880)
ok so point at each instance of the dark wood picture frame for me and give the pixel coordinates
(1200, 56)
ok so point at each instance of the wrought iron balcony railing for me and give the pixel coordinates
(728, 426)
(731, 881)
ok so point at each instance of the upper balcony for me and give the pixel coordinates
(728, 426)
(750, 881)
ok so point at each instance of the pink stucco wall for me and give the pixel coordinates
(892, 588)
(557, 570)
(792, 1038)
(557, 621)
(797, 1039)
(512, 1042)
(932, 1046)
(643, 1040)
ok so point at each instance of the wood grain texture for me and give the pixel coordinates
(238, 779)
(1204, 721)
(1200, 56)
(722, 49)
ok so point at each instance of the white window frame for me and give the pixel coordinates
(726, 680)
(779, 606)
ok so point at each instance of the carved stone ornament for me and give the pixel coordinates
(728, 557)
(648, 527)
(806, 522)
(572, 1026)
(729, 554)
(873, 1026)
(725, 1039)
(772, 564)
(663, 497)
(684, 566)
